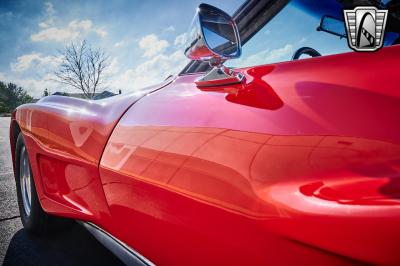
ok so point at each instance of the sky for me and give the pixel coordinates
(143, 39)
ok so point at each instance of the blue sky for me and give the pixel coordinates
(143, 39)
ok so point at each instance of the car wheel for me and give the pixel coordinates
(33, 218)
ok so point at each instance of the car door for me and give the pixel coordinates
(248, 173)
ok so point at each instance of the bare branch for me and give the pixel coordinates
(82, 68)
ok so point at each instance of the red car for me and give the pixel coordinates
(291, 163)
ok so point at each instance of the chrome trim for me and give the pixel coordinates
(25, 180)
(219, 76)
(196, 49)
(126, 254)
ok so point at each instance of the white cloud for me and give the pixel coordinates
(303, 40)
(54, 34)
(84, 25)
(153, 70)
(34, 59)
(126, 42)
(181, 40)
(263, 57)
(113, 67)
(34, 86)
(49, 16)
(74, 30)
(150, 72)
(101, 32)
(278, 54)
(120, 44)
(43, 24)
(169, 29)
(49, 8)
(34, 73)
(152, 45)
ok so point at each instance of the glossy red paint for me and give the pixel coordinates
(65, 138)
(299, 165)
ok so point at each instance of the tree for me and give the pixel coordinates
(82, 68)
(11, 96)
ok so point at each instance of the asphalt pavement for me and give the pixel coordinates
(72, 247)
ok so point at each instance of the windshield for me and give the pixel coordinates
(291, 29)
(294, 27)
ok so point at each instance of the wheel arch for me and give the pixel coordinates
(14, 132)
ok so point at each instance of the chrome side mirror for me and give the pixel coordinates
(214, 38)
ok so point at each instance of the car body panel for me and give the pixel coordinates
(299, 164)
(65, 138)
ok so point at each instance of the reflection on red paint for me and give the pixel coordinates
(301, 163)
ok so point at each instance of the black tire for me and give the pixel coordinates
(35, 221)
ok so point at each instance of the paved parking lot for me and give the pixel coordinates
(73, 247)
(9, 215)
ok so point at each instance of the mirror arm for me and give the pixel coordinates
(216, 62)
(219, 76)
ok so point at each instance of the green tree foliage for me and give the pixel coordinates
(11, 96)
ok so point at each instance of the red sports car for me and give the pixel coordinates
(291, 163)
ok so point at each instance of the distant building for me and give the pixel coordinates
(104, 94)
(60, 93)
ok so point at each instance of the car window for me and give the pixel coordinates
(288, 31)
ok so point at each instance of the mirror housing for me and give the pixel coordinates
(333, 26)
(213, 36)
